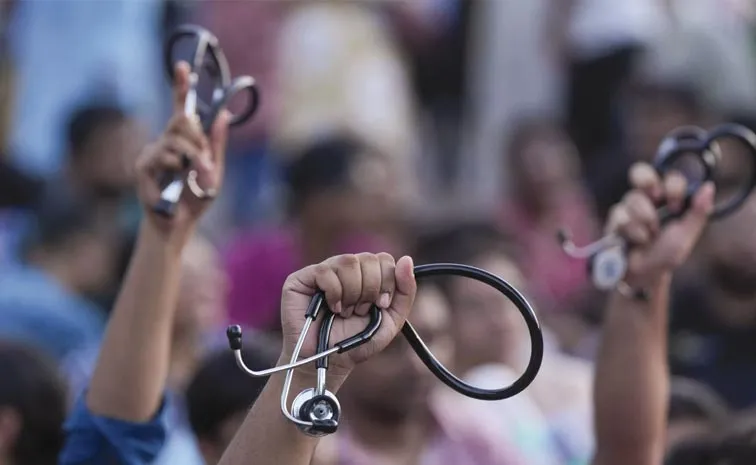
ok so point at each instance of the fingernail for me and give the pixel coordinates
(336, 308)
(385, 300)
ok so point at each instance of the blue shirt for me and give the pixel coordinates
(37, 310)
(179, 445)
(96, 440)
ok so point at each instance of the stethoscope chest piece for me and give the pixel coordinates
(319, 413)
(608, 267)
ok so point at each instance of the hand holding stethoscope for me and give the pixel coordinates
(343, 296)
(690, 153)
(208, 62)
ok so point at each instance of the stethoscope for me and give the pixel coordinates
(224, 89)
(316, 411)
(607, 257)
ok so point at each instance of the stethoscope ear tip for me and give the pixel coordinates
(234, 335)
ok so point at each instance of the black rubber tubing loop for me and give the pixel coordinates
(324, 333)
(747, 138)
(669, 153)
(526, 310)
(422, 351)
(207, 43)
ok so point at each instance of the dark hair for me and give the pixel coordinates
(85, 122)
(57, 221)
(30, 385)
(464, 242)
(325, 164)
(679, 93)
(220, 389)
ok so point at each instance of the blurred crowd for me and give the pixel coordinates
(465, 131)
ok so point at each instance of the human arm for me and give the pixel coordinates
(351, 283)
(121, 409)
(632, 378)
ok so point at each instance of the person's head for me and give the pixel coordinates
(342, 194)
(393, 387)
(220, 395)
(103, 141)
(68, 241)
(32, 407)
(202, 301)
(656, 108)
(543, 160)
(694, 410)
(726, 255)
(487, 327)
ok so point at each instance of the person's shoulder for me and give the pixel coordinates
(93, 439)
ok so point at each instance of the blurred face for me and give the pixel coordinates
(487, 327)
(106, 167)
(361, 217)
(394, 384)
(729, 256)
(202, 302)
(650, 120)
(547, 162)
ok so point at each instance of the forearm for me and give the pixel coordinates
(632, 380)
(132, 367)
(266, 436)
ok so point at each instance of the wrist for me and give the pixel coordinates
(170, 239)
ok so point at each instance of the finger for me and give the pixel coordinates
(326, 279)
(636, 233)
(388, 280)
(170, 161)
(644, 177)
(618, 219)
(675, 186)
(371, 281)
(404, 293)
(347, 268)
(701, 207)
(182, 147)
(185, 127)
(181, 73)
(219, 137)
(642, 211)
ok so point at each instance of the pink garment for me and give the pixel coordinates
(552, 275)
(461, 439)
(258, 264)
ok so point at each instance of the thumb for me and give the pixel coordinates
(406, 287)
(219, 137)
(701, 207)
(180, 86)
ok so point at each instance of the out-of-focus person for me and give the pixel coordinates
(713, 325)
(220, 395)
(652, 108)
(68, 53)
(340, 68)
(598, 42)
(394, 414)
(32, 407)
(200, 313)
(342, 199)
(551, 421)
(67, 255)
(547, 195)
(249, 35)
